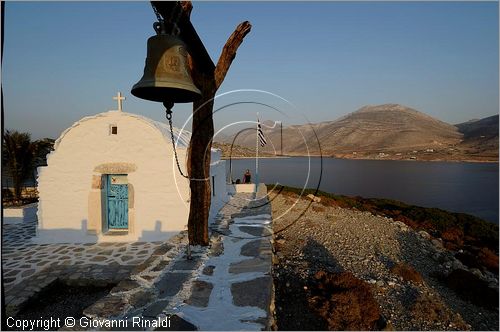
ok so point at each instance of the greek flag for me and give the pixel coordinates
(262, 139)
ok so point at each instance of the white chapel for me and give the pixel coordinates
(113, 177)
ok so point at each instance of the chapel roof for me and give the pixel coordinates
(182, 137)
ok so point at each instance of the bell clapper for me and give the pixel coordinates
(168, 109)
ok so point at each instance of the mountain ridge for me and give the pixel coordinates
(387, 131)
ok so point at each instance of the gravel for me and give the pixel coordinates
(337, 239)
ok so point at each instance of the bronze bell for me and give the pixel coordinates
(167, 77)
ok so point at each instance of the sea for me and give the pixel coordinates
(453, 186)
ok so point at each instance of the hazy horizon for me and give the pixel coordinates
(63, 61)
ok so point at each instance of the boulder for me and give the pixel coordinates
(476, 272)
(314, 198)
(438, 244)
(424, 235)
(456, 264)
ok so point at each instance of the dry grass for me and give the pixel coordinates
(453, 237)
(318, 208)
(488, 259)
(407, 272)
(427, 308)
(430, 309)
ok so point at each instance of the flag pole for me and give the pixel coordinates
(257, 154)
(281, 130)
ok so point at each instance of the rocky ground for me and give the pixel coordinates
(417, 284)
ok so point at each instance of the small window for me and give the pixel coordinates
(114, 130)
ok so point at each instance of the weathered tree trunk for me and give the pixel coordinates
(199, 162)
(208, 79)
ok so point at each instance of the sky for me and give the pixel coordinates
(313, 61)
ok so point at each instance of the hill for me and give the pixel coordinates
(237, 151)
(481, 128)
(480, 137)
(389, 131)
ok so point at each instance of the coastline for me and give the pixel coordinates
(390, 249)
(376, 159)
(263, 157)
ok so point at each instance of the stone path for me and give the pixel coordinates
(29, 267)
(234, 289)
(226, 286)
(21, 258)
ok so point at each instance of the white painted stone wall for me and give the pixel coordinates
(218, 171)
(241, 188)
(16, 215)
(160, 194)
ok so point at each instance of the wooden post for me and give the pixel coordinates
(199, 161)
(208, 78)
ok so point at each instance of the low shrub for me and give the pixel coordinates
(488, 259)
(427, 309)
(344, 301)
(453, 235)
(407, 272)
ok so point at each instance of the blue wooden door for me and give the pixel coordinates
(117, 193)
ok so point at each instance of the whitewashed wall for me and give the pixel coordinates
(218, 171)
(65, 184)
(16, 215)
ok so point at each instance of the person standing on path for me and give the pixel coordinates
(247, 177)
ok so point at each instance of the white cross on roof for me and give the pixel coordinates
(119, 99)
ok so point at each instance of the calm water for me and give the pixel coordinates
(461, 187)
